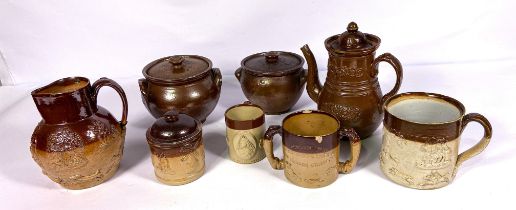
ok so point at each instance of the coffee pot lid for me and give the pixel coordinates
(177, 68)
(173, 129)
(353, 40)
(273, 63)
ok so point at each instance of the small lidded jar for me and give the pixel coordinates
(177, 149)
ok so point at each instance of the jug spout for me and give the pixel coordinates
(65, 100)
(313, 85)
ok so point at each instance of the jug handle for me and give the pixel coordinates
(354, 141)
(395, 63)
(111, 83)
(275, 162)
(480, 146)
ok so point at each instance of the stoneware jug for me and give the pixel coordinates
(78, 144)
(351, 91)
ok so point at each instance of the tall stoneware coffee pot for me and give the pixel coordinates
(78, 144)
(351, 91)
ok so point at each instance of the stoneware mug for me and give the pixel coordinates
(421, 139)
(311, 148)
(245, 126)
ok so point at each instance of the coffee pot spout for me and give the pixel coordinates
(313, 85)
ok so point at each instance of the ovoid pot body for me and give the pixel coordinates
(196, 95)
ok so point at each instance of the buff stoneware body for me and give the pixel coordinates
(272, 80)
(78, 144)
(187, 83)
(420, 147)
(311, 150)
(177, 149)
(245, 126)
(351, 90)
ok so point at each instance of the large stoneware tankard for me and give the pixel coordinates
(351, 91)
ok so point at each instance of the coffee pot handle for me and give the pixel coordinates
(111, 83)
(354, 141)
(481, 145)
(395, 63)
(275, 162)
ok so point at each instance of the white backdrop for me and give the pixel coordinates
(464, 49)
(45, 41)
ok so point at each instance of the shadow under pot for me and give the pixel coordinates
(272, 80)
(187, 83)
(177, 150)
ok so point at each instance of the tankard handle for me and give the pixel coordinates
(275, 162)
(481, 145)
(354, 141)
(395, 63)
(111, 83)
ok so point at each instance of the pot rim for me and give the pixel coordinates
(178, 81)
(288, 71)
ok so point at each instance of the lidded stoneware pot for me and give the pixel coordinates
(77, 144)
(187, 83)
(272, 80)
(177, 149)
(351, 90)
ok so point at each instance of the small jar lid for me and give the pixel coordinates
(173, 130)
(177, 69)
(273, 63)
(352, 41)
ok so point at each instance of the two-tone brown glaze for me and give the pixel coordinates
(311, 142)
(351, 90)
(177, 150)
(187, 83)
(78, 144)
(245, 126)
(420, 147)
(272, 80)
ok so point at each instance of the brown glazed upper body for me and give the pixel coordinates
(174, 134)
(78, 144)
(351, 90)
(187, 83)
(272, 80)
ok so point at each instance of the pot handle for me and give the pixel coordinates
(354, 141)
(217, 76)
(238, 73)
(143, 87)
(302, 79)
(275, 162)
(480, 146)
(111, 83)
(395, 63)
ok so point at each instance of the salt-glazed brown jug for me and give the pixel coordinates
(78, 144)
(351, 91)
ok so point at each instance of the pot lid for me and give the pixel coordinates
(173, 129)
(177, 68)
(353, 40)
(273, 63)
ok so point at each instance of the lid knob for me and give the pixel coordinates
(352, 27)
(171, 116)
(176, 61)
(271, 57)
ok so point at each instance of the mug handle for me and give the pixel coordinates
(395, 63)
(354, 141)
(275, 162)
(482, 144)
(111, 83)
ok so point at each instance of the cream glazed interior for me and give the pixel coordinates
(241, 113)
(424, 110)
